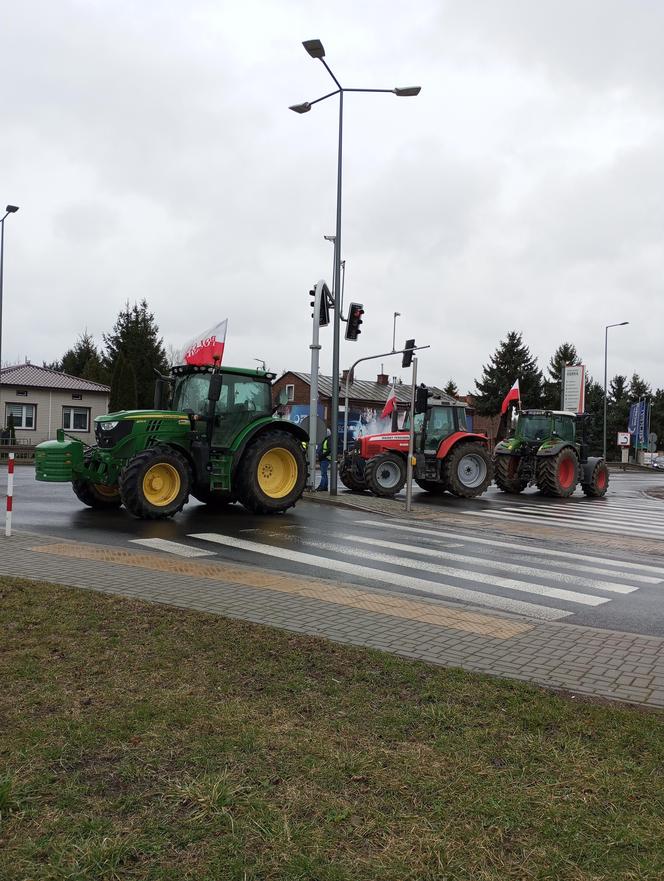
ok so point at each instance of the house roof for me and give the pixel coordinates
(364, 390)
(43, 377)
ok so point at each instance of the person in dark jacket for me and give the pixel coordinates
(324, 459)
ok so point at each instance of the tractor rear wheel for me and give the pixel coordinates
(557, 475)
(97, 495)
(599, 482)
(155, 484)
(272, 473)
(468, 470)
(435, 487)
(350, 478)
(506, 470)
(385, 474)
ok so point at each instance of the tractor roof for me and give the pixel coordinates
(548, 413)
(186, 369)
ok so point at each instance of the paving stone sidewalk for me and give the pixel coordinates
(607, 664)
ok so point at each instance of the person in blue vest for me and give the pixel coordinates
(324, 459)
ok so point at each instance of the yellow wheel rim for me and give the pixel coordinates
(109, 492)
(277, 473)
(161, 484)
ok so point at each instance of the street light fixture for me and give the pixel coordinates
(394, 329)
(11, 209)
(606, 341)
(316, 51)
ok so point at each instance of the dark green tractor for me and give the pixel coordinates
(549, 448)
(211, 435)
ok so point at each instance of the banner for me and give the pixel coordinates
(638, 424)
(574, 388)
(207, 348)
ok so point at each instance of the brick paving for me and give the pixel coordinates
(601, 663)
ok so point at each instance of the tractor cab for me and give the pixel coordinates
(538, 427)
(439, 421)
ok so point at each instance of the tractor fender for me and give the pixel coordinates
(269, 425)
(554, 449)
(588, 467)
(511, 446)
(447, 444)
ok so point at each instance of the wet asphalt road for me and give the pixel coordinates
(536, 578)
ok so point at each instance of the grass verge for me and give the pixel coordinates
(140, 742)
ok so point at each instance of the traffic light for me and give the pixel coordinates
(355, 313)
(324, 305)
(407, 359)
(421, 398)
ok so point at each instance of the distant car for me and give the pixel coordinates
(658, 463)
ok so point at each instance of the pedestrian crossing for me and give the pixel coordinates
(638, 519)
(542, 583)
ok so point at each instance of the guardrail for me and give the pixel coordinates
(24, 454)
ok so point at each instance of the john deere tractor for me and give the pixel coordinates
(448, 457)
(211, 435)
(549, 448)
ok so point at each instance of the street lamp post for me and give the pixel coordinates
(394, 329)
(316, 50)
(606, 341)
(11, 209)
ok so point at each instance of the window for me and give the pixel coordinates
(21, 393)
(23, 415)
(76, 418)
(76, 397)
(290, 392)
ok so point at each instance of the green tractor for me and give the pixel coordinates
(216, 440)
(550, 449)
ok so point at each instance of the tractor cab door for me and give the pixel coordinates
(242, 401)
(439, 424)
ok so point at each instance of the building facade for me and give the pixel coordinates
(40, 400)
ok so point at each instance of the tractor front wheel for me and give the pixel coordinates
(350, 477)
(155, 484)
(385, 474)
(506, 475)
(557, 475)
(468, 470)
(97, 495)
(272, 473)
(599, 482)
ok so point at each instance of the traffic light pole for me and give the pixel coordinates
(411, 441)
(350, 373)
(313, 385)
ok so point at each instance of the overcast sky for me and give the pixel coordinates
(150, 148)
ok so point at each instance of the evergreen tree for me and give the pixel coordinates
(123, 386)
(639, 388)
(595, 406)
(135, 336)
(565, 354)
(84, 360)
(451, 389)
(617, 414)
(511, 361)
(657, 417)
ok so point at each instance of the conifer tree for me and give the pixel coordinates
(565, 354)
(451, 389)
(84, 360)
(123, 386)
(511, 361)
(135, 336)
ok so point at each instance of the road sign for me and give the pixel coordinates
(574, 388)
(652, 442)
(623, 438)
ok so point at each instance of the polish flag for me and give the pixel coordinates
(512, 395)
(390, 404)
(207, 348)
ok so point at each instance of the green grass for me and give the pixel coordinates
(138, 742)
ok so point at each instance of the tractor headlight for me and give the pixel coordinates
(108, 426)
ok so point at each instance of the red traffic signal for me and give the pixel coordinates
(355, 313)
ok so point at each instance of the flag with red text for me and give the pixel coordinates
(206, 349)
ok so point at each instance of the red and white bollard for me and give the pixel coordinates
(10, 494)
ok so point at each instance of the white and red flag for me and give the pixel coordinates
(390, 403)
(512, 395)
(207, 348)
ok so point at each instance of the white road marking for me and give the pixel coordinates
(447, 591)
(568, 523)
(172, 547)
(523, 548)
(517, 569)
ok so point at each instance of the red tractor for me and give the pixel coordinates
(448, 457)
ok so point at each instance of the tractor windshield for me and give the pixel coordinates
(534, 428)
(191, 393)
(238, 394)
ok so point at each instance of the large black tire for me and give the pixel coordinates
(468, 469)
(97, 495)
(155, 484)
(385, 474)
(599, 482)
(272, 473)
(557, 475)
(214, 499)
(505, 472)
(436, 488)
(350, 478)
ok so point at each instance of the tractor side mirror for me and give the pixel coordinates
(214, 391)
(421, 398)
(162, 389)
